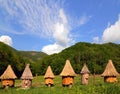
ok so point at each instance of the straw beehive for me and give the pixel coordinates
(49, 76)
(110, 74)
(8, 77)
(27, 77)
(85, 74)
(67, 74)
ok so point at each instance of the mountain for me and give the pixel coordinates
(95, 56)
(32, 56)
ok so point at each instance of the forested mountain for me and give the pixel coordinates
(95, 56)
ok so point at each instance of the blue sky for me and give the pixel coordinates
(53, 25)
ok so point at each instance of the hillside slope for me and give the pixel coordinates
(18, 59)
(94, 55)
(9, 55)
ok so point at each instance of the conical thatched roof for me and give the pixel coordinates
(67, 70)
(8, 73)
(110, 70)
(49, 73)
(84, 69)
(27, 74)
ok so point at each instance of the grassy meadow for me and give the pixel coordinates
(96, 86)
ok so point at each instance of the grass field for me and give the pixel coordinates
(96, 86)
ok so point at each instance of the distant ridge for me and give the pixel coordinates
(33, 56)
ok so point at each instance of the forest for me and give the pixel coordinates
(18, 59)
(96, 57)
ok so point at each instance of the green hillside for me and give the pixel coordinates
(18, 59)
(9, 55)
(95, 56)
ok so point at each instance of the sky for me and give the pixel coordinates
(51, 26)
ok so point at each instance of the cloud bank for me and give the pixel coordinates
(112, 33)
(6, 39)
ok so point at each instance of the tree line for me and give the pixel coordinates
(95, 56)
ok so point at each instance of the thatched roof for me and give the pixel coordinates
(110, 70)
(67, 70)
(84, 69)
(27, 74)
(49, 73)
(8, 73)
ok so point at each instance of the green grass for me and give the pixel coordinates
(95, 86)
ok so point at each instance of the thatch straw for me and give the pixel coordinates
(84, 69)
(67, 70)
(49, 73)
(8, 73)
(27, 74)
(110, 70)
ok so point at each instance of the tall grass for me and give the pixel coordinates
(95, 86)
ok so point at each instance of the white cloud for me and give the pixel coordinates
(112, 33)
(52, 48)
(61, 30)
(34, 17)
(60, 35)
(6, 39)
(63, 16)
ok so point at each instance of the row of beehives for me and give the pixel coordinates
(68, 74)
